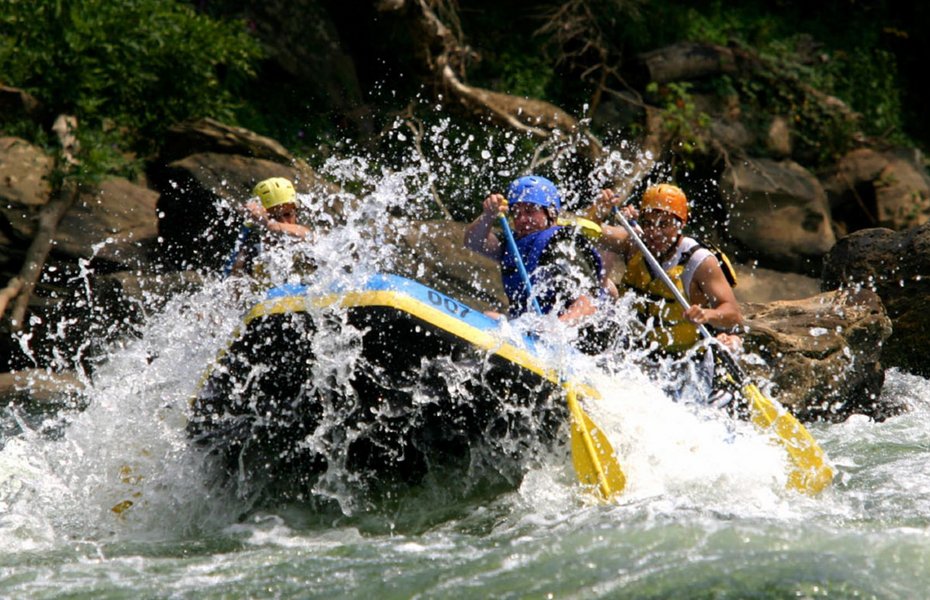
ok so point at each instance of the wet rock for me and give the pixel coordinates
(24, 189)
(879, 189)
(209, 135)
(114, 226)
(823, 353)
(896, 265)
(38, 391)
(127, 298)
(779, 213)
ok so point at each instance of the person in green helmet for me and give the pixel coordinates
(274, 209)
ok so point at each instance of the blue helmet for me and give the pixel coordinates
(535, 190)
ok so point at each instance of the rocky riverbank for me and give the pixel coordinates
(125, 246)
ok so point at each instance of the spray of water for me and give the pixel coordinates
(125, 466)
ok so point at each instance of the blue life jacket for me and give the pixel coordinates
(532, 249)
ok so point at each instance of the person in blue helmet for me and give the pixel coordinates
(565, 269)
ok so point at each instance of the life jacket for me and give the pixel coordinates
(251, 247)
(536, 251)
(657, 305)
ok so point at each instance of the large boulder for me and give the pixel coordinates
(210, 135)
(779, 213)
(822, 353)
(896, 265)
(879, 189)
(114, 226)
(126, 298)
(25, 170)
(40, 392)
(760, 285)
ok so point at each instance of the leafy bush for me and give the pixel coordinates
(839, 55)
(136, 65)
(687, 125)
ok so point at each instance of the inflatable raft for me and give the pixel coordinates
(388, 380)
(420, 380)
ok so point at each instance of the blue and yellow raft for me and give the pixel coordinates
(425, 380)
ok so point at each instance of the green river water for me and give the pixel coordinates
(705, 513)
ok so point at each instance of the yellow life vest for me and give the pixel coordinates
(657, 306)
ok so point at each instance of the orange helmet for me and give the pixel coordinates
(666, 197)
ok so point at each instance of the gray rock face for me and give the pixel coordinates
(896, 265)
(779, 212)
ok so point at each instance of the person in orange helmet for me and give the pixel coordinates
(692, 268)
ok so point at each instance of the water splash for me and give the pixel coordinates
(124, 467)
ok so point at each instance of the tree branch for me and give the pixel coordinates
(21, 287)
(39, 250)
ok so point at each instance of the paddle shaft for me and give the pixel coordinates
(658, 270)
(812, 473)
(588, 455)
(524, 276)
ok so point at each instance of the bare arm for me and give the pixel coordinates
(292, 229)
(715, 303)
(478, 234)
(581, 307)
(261, 216)
(613, 237)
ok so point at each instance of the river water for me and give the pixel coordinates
(112, 501)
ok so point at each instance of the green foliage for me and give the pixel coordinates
(101, 156)
(141, 65)
(687, 125)
(867, 78)
(524, 74)
(836, 55)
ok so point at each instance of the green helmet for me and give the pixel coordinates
(275, 191)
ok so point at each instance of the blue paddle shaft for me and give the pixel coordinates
(512, 244)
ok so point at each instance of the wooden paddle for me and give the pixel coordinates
(592, 455)
(811, 473)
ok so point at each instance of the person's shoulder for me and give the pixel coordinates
(700, 253)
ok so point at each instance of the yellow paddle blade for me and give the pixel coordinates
(811, 473)
(592, 455)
